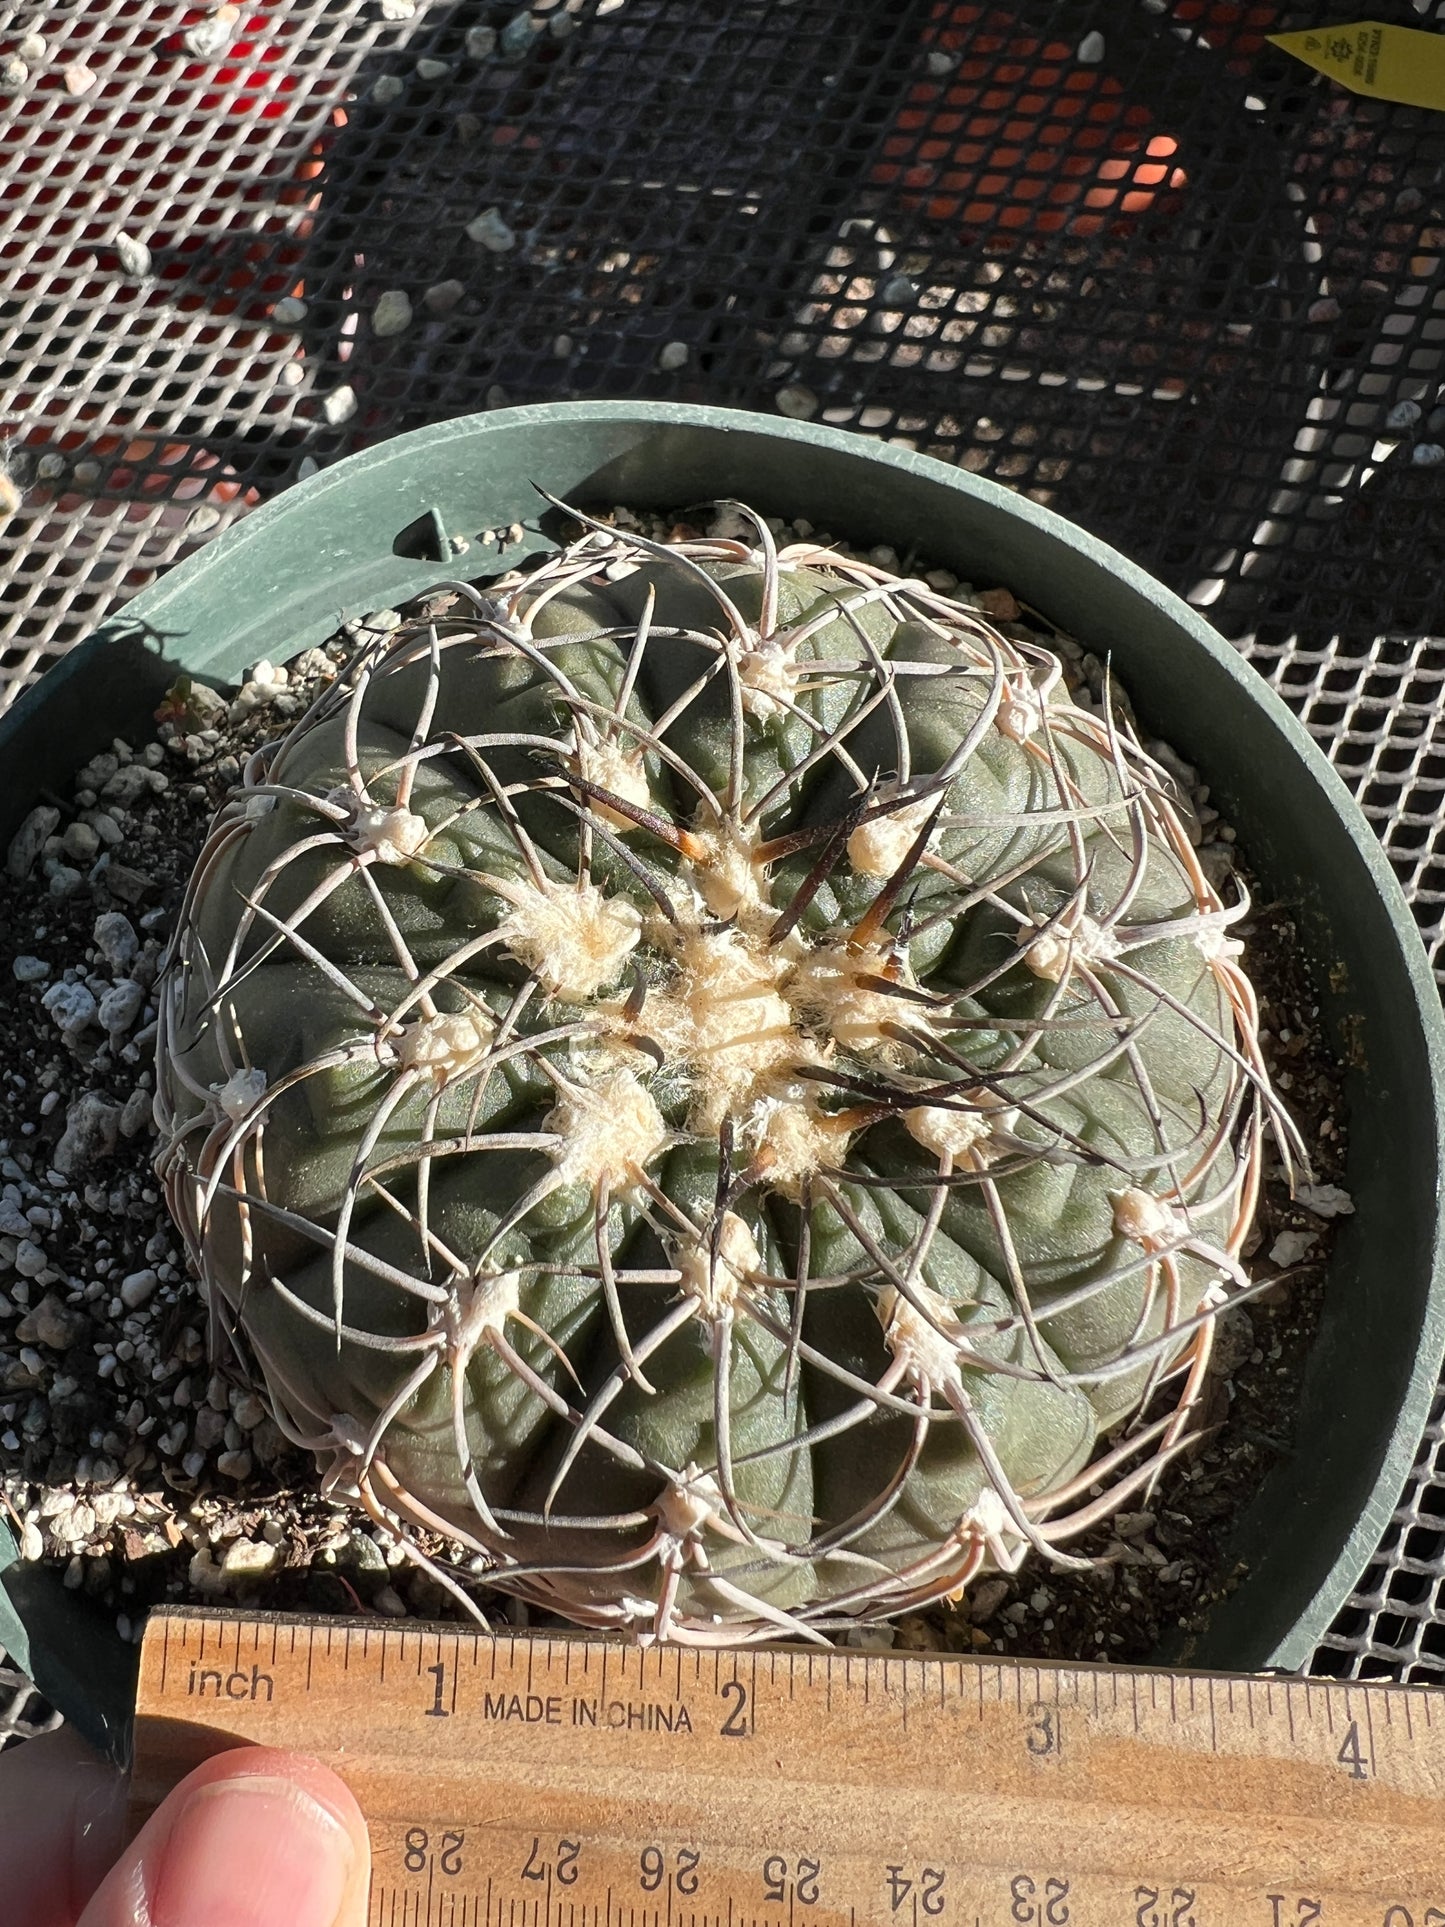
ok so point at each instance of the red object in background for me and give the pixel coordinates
(1023, 139)
(178, 170)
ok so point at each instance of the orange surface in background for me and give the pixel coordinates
(1022, 139)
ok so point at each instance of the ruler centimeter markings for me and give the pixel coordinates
(557, 1781)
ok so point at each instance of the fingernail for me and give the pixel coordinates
(255, 1851)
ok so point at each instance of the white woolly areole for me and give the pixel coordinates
(483, 1310)
(689, 1503)
(790, 1138)
(1020, 713)
(608, 1131)
(726, 1018)
(446, 1045)
(930, 1354)
(877, 848)
(1146, 1220)
(716, 1287)
(573, 939)
(724, 871)
(394, 836)
(1215, 945)
(611, 767)
(768, 675)
(988, 1517)
(240, 1094)
(828, 988)
(1055, 952)
(963, 1137)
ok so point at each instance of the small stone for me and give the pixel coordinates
(289, 312)
(234, 1465)
(29, 840)
(203, 519)
(1427, 454)
(135, 260)
(940, 63)
(1325, 1200)
(81, 842)
(91, 1125)
(126, 883)
(136, 1287)
(672, 356)
(208, 1430)
(32, 1540)
(33, 47)
(563, 346)
(53, 1324)
(1291, 1246)
(432, 69)
(65, 880)
(796, 402)
(30, 970)
(1091, 49)
(388, 88)
(307, 467)
(50, 468)
(30, 1261)
(392, 314)
(467, 127)
(136, 1114)
(899, 291)
(339, 406)
(985, 1599)
(490, 231)
(78, 80)
(442, 297)
(203, 1574)
(1323, 310)
(388, 1600)
(248, 1558)
(115, 938)
(213, 35)
(397, 9)
(72, 1007)
(1404, 415)
(13, 74)
(518, 34)
(481, 43)
(86, 473)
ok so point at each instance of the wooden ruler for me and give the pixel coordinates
(545, 1781)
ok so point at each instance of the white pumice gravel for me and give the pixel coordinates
(141, 1470)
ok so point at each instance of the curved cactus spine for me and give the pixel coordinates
(706, 1080)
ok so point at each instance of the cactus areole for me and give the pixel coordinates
(704, 1079)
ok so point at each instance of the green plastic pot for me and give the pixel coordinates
(383, 525)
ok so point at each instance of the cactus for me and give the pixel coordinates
(705, 1084)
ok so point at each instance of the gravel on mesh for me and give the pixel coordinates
(145, 1468)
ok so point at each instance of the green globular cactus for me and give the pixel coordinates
(704, 1078)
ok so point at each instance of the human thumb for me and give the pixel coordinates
(252, 1838)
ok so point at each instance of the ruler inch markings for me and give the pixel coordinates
(649, 1801)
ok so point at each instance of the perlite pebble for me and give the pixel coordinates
(1405, 414)
(490, 231)
(432, 69)
(213, 35)
(13, 74)
(339, 406)
(518, 34)
(1427, 454)
(115, 938)
(481, 42)
(672, 356)
(392, 313)
(289, 311)
(29, 840)
(388, 88)
(796, 402)
(71, 1007)
(1091, 49)
(135, 260)
(120, 1006)
(32, 47)
(248, 1559)
(91, 1125)
(81, 842)
(397, 9)
(30, 970)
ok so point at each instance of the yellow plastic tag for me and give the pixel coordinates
(1404, 64)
